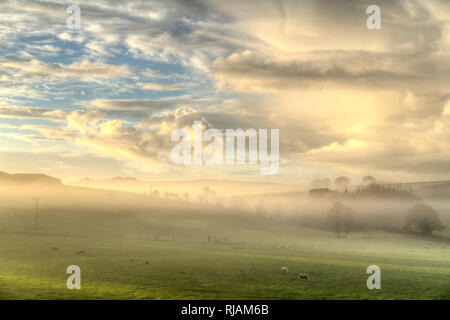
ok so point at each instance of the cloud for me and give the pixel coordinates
(74, 37)
(343, 97)
(159, 87)
(249, 71)
(108, 138)
(9, 111)
(84, 70)
(81, 119)
(143, 109)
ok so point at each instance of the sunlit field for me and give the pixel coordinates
(205, 252)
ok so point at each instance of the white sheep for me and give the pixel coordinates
(285, 269)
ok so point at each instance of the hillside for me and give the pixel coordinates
(27, 179)
(223, 188)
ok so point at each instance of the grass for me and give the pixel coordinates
(183, 265)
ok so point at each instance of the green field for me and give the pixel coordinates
(242, 260)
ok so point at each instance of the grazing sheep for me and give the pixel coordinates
(303, 276)
(55, 248)
(80, 252)
(285, 269)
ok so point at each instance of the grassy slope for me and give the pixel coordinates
(184, 266)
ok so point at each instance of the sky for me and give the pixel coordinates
(103, 101)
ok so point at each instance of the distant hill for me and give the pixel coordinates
(437, 190)
(27, 179)
(423, 189)
(193, 187)
(19, 191)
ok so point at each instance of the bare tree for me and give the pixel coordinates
(340, 218)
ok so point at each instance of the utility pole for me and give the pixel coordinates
(338, 225)
(36, 199)
(111, 199)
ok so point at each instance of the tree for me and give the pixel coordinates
(206, 191)
(156, 194)
(368, 180)
(320, 183)
(423, 218)
(342, 183)
(340, 218)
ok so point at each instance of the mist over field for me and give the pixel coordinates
(198, 243)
